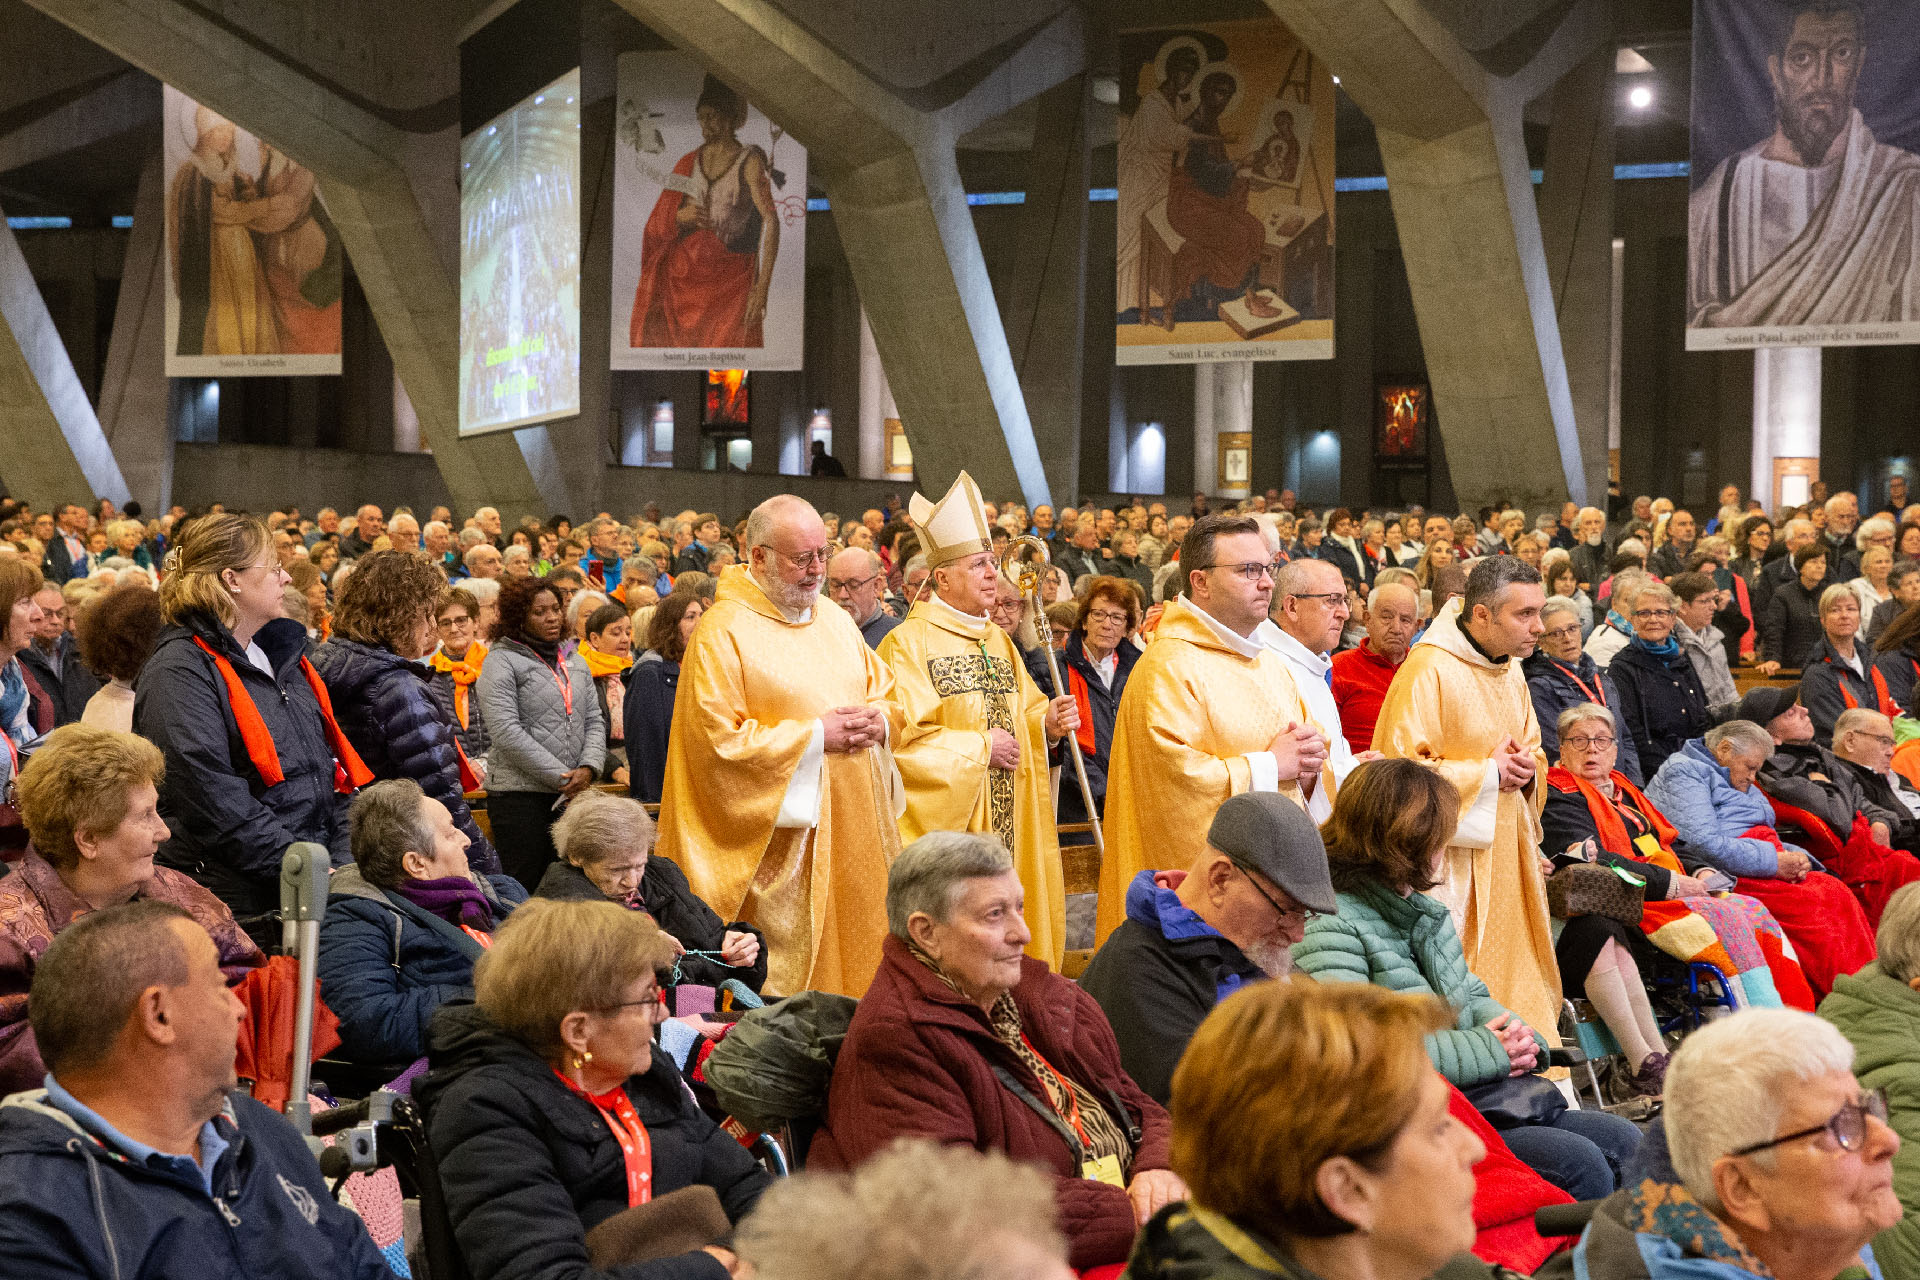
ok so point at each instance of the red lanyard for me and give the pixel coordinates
(484, 939)
(1592, 696)
(559, 674)
(629, 1133)
(1072, 1114)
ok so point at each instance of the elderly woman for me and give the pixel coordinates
(1878, 1011)
(1374, 1179)
(1127, 562)
(405, 923)
(1153, 543)
(1558, 577)
(1782, 1163)
(1096, 661)
(608, 653)
(544, 718)
(116, 634)
(1561, 675)
(1662, 703)
(568, 1148)
(605, 845)
(1790, 623)
(455, 662)
(89, 801)
(382, 691)
(964, 1039)
(255, 758)
(648, 703)
(1707, 791)
(1876, 564)
(1840, 671)
(1596, 814)
(1386, 845)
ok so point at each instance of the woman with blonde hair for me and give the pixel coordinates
(255, 759)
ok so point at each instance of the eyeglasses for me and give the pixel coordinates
(849, 584)
(1282, 912)
(1108, 616)
(806, 559)
(1881, 738)
(448, 624)
(1589, 744)
(652, 1001)
(1561, 633)
(1252, 570)
(1331, 598)
(1652, 614)
(1848, 1125)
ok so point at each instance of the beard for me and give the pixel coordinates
(791, 596)
(1593, 539)
(1275, 958)
(1811, 123)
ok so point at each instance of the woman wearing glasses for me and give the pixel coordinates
(1386, 846)
(566, 1145)
(1663, 705)
(1096, 664)
(1561, 675)
(1782, 1164)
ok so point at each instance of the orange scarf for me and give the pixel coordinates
(600, 664)
(1613, 831)
(464, 673)
(349, 774)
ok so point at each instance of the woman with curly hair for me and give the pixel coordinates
(116, 635)
(549, 740)
(375, 669)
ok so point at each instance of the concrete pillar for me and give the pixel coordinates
(406, 420)
(876, 406)
(1449, 131)
(364, 163)
(1786, 424)
(133, 390)
(1222, 406)
(51, 446)
(885, 156)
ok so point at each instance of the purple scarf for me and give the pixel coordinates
(455, 899)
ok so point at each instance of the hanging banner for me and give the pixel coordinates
(1225, 220)
(520, 263)
(709, 224)
(1804, 214)
(253, 263)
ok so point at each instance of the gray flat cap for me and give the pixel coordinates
(1266, 832)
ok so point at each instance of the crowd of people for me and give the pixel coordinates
(1377, 793)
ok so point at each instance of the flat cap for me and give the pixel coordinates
(1265, 832)
(1766, 703)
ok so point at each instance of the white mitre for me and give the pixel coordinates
(954, 527)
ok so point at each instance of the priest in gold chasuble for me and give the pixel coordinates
(973, 752)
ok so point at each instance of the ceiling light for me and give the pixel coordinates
(1640, 98)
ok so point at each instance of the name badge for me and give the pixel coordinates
(1648, 846)
(1105, 1169)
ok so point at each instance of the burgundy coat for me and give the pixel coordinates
(35, 904)
(918, 1061)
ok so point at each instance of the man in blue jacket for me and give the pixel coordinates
(136, 1159)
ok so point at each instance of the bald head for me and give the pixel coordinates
(786, 550)
(781, 513)
(855, 582)
(1393, 614)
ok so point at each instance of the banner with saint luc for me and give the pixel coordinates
(1224, 237)
(1804, 212)
(709, 224)
(253, 262)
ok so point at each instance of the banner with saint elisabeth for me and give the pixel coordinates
(1225, 221)
(253, 262)
(709, 224)
(1803, 221)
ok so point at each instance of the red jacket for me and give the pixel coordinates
(918, 1061)
(1360, 680)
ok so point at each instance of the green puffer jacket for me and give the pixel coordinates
(1880, 1016)
(1409, 944)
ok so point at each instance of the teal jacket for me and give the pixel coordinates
(1409, 944)
(1880, 1016)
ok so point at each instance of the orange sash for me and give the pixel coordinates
(463, 673)
(349, 773)
(1613, 832)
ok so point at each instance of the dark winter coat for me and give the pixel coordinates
(1900, 668)
(1554, 690)
(1158, 976)
(1566, 820)
(649, 715)
(1877, 790)
(387, 963)
(919, 1061)
(669, 899)
(529, 1167)
(1663, 705)
(70, 689)
(474, 739)
(1790, 626)
(385, 705)
(1808, 776)
(229, 828)
(70, 1206)
(1829, 685)
(1078, 672)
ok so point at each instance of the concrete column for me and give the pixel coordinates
(1786, 417)
(1222, 405)
(876, 406)
(885, 155)
(406, 420)
(133, 391)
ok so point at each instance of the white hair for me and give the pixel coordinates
(763, 518)
(483, 590)
(436, 526)
(1744, 736)
(1897, 944)
(1580, 711)
(1373, 596)
(581, 606)
(1729, 1083)
(515, 551)
(1871, 528)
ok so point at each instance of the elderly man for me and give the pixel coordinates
(1362, 674)
(483, 560)
(1195, 935)
(54, 660)
(603, 560)
(1797, 533)
(855, 581)
(1671, 556)
(437, 541)
(138, 1120)
(913, 583)
(368, 525)
(488, 520)
(784, 714)
(1590, 548)
(1081, 556)
(974, 750)
(1843, 521)
(404, 532)
(1781, 1163)
(326, 523)
(1309, 612)
(1461, 705)
(1209, 712)
(1863, 743)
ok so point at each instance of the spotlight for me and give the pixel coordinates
(1641, 98)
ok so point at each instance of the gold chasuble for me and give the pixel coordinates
(1196, 707)
(1449, 707)
(745, 775)
(956, 677)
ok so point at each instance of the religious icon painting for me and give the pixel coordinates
(1400, 422)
